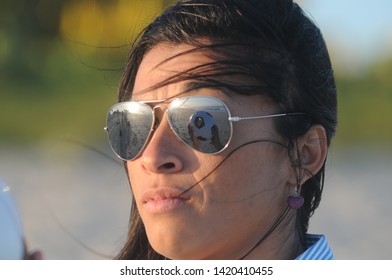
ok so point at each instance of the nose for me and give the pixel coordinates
(163, 153)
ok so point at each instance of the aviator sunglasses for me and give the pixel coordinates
(204, 123)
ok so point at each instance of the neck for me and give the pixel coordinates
(280, 242)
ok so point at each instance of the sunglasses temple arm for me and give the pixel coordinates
(237, 118)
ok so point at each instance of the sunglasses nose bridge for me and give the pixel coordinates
(159, 112)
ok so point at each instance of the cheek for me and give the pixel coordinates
(135, 181)
(256, 169)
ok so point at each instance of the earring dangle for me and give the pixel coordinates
(295, 201)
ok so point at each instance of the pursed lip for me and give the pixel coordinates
(160, 200)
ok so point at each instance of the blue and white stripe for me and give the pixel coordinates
(316, 248)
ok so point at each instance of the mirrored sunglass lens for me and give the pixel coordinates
(128, 128)
(201, 122)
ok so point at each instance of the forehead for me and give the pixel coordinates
(163, 62)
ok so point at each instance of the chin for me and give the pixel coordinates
(177, 247)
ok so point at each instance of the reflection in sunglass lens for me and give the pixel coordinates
(201, 122)
(129, 125)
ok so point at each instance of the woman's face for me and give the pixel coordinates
(226, 213)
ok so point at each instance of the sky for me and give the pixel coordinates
(359, 31)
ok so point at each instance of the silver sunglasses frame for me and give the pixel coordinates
(231, 119)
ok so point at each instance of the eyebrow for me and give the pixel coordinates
(195, 85)
(188, 87)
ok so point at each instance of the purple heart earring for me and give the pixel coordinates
(295, 201)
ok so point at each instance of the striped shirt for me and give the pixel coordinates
(316, 248)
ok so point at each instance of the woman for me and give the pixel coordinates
(232, 107)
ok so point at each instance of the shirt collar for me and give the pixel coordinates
(316, 248)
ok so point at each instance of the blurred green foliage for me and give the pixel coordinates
(365, 106)
(61, 61)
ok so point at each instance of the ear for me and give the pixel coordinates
(312, 148)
